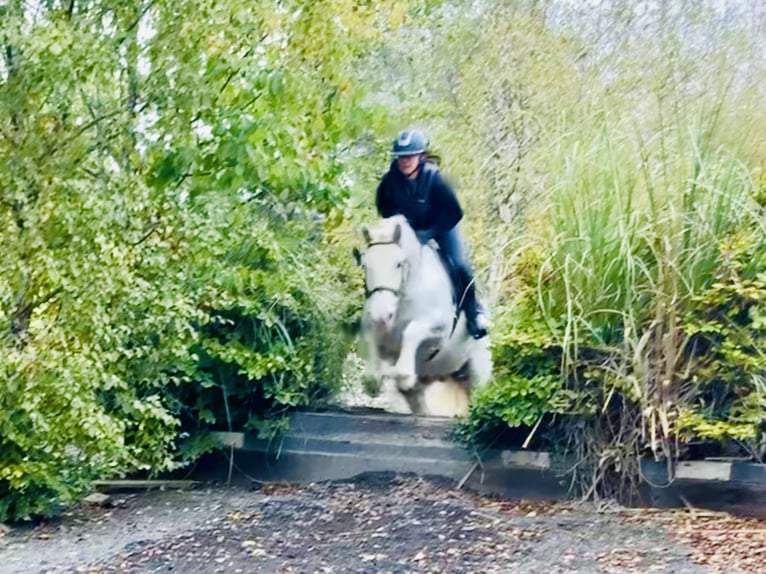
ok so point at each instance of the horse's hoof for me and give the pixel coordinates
(371, 383)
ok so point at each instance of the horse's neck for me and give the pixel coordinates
(411, 244)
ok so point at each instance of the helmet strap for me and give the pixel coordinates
(413, 172)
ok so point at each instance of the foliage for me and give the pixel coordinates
(633, 240)
(166, 169)
(728, 329)
(265, 348)
(526, 383)
(605, 166)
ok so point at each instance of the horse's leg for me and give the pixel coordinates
(480, 364)
(404, 370)
(396, 401)
(374, 365)
(372, 360)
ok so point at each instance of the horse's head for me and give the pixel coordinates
(386, 264)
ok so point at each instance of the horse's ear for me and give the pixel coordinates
(357, 255)
(366, 235)
(397, 232)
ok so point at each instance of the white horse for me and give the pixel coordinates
(411, 338)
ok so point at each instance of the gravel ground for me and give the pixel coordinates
(373, 523)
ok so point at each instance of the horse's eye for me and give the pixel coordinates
(400, 265)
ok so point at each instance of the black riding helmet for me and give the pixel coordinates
(409, 142)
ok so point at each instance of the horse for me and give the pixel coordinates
(412, 333)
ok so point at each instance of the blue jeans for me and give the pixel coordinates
(452, 245)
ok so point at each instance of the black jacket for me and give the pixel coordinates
(428, 202)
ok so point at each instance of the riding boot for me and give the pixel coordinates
(476, 324)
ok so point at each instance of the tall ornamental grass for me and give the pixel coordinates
(635, 222)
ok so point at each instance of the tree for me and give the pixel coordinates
(166, 168)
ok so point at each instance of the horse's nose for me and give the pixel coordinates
(385, 320)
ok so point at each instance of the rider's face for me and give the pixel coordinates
(408, 164)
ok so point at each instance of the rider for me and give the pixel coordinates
(414, 188)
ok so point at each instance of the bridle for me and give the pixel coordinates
(404, 273)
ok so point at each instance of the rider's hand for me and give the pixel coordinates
(424, 236)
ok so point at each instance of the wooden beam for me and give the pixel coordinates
(526, 459)
(703, 470)
(142, 484)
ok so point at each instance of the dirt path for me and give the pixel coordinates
(377, 523)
